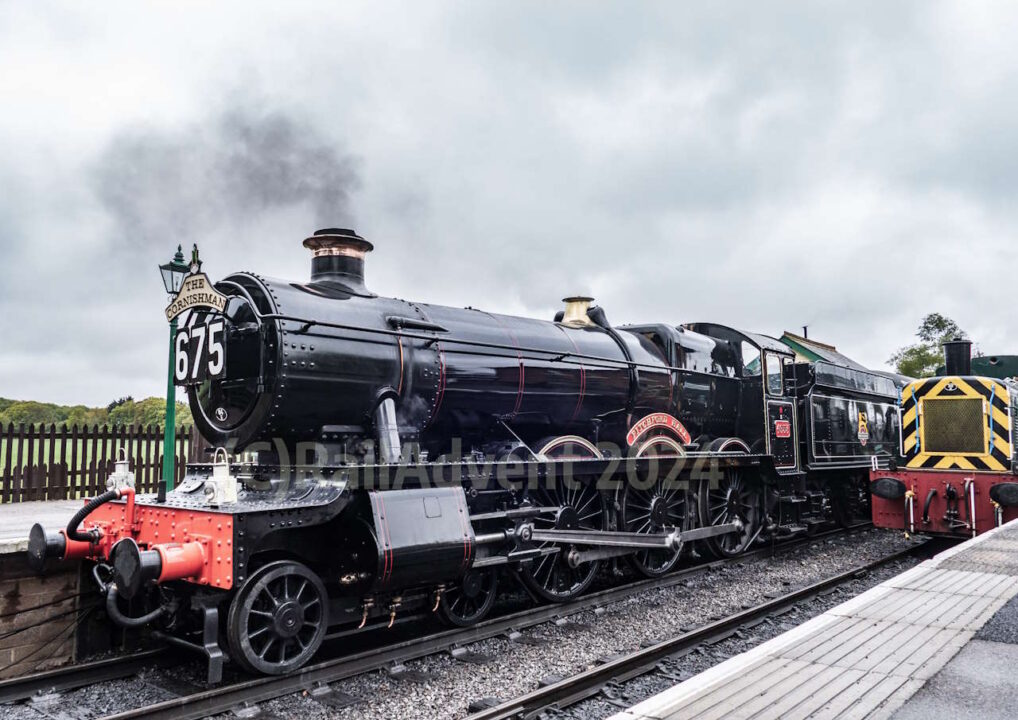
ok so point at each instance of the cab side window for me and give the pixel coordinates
(659, 345)
(775, 386)
(750, 360)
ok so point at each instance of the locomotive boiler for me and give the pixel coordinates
(328, 358)
(376, 457)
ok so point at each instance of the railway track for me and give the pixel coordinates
(316, 679)
(81, 674)
(586, 684)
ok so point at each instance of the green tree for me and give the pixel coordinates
(80, 415)
(922, 359)
(184, 416)
(117, 403)
(150, 411)
(31, 412)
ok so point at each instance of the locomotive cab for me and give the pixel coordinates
(766, 410)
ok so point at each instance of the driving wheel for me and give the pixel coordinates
(579, 506)
(663, 504)
(278, 619)
(731, 500)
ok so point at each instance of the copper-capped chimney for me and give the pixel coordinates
(338, 256)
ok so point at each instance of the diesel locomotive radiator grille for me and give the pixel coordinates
(954, 425)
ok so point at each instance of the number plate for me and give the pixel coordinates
(782, 429)
(199, 353)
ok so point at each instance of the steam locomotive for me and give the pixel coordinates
(958, 454)
(376, 457)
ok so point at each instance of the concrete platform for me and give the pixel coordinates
(16, 519)
(27, 643)
(936, 641)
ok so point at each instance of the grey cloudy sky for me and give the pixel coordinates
(850, 166)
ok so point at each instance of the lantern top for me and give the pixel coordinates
(174, 272)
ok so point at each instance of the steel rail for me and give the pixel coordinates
(588, 683)
(316, 678)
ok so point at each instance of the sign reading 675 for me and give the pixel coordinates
(199, 353)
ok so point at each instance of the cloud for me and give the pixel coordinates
(843, 165)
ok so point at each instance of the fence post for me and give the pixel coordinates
(27, 485)
(8, 441)
(133, 451)
(152, 452)
(93, 462)
(141, 474)
(181, 464)
(52, 473)
(157, 457)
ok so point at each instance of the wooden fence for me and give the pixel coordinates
(61, 463)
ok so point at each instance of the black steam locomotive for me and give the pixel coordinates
(388, 456)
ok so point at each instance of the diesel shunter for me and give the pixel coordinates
(377, 457)
(959, 458)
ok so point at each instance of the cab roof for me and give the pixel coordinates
(763, 342)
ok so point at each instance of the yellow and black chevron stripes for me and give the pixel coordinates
(992, 437)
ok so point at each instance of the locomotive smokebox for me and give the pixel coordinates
(958, 357)
(338, 257)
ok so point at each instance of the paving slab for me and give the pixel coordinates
(16, 519)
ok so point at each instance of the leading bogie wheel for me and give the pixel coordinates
(278, 618)
(470, 600)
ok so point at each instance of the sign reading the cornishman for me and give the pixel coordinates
(197, 291)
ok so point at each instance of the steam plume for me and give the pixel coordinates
(190, 180)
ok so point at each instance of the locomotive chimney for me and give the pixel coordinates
(576, 311)
(338, 256)
(958, 356)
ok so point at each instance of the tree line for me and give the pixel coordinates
(123, 411)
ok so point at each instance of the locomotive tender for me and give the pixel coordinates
(391, 457)
(959, 454)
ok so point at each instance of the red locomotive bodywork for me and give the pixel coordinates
(944, 512)
(194, 545)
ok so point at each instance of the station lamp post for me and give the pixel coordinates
(173, 274)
